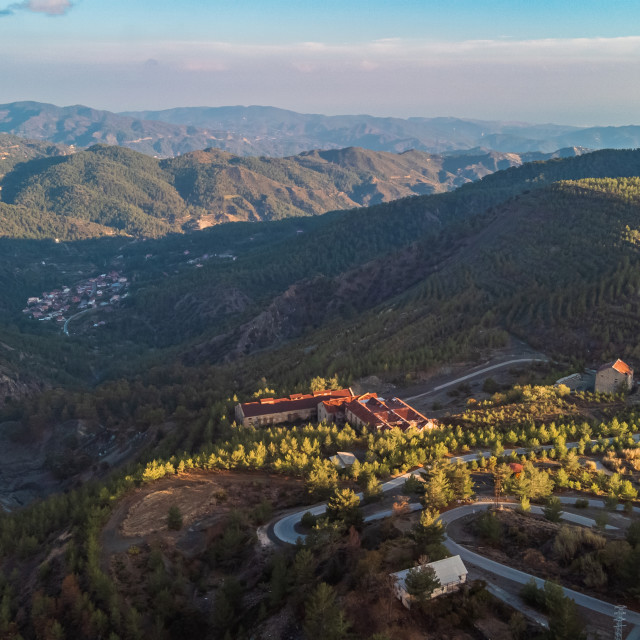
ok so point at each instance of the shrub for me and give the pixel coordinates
(553, 509)
(525, 505)
(262, 512)
(489, 527)
(611, 503)
(174, 518)
(490, 386)
(533, 595)
(602, 519)
(308, 520)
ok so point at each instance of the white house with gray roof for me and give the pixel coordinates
(451, 573)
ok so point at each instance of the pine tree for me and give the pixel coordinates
(344, 505)
(304, 567)
(461, 482)
(564, 623)
(553, 509)
(174, 519)
(278, 581)
(429, 530)
(438, 491)
(421, 583)
(324, 619)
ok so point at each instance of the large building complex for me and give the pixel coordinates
(338, 407)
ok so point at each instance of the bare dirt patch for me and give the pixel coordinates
(205, 500)
(150, 514)
(201, 494)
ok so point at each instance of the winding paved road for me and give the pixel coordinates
(285, 530)
(475, 374)
(65, 327)
(599, 606)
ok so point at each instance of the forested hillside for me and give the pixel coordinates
(119, 189)
(235, 188)
(548, 252)
(392, 289)
(14, 150)
(50, 192)
(510, 252)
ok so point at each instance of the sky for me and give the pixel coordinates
(561, 61)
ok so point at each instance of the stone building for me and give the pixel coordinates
(338, 407)
(296, 407)
(614, 377)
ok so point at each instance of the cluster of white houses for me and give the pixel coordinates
(337, 406)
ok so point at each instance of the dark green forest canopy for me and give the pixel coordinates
(420, 280)
(105, 190)
(542, 253)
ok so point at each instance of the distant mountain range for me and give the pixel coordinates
(50, 190)
(268, 131)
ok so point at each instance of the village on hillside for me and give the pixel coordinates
(60, 304)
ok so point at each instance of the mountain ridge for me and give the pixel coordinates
(270, 131)
(107, 190)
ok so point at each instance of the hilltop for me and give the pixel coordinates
(268, 131)
(50, 191)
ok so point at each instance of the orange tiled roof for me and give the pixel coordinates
(387, 414)
(619, 366)
(335, 405)
(295, 402)
(623, 367)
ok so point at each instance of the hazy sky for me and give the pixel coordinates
(535, 60)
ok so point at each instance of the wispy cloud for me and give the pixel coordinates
(376, 54)
(48, 7)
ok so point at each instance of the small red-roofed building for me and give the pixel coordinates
(614, 377)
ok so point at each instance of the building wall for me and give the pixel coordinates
(611, 381)
(278, 418)
(323, 415)
(353, 419)
(405, 598)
